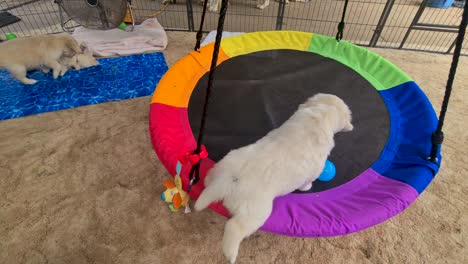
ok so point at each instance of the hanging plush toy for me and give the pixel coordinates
(174, 195)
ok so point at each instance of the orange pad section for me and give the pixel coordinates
(177, 84)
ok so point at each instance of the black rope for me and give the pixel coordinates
(200, 31)
(195, 171)
(438, 135)
(341, 25)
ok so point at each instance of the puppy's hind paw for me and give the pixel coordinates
(305, 187)
(230, 259)
(230, 252)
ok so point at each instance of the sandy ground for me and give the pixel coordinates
(83, 186)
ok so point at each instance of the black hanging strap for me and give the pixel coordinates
(200, 31)
(438, 135)
(195, 171)
(341, 25)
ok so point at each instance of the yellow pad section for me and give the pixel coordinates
(266, 40)
(177, 84)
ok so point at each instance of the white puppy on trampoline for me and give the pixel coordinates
(288, 158)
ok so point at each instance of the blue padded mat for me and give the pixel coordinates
(114, 79)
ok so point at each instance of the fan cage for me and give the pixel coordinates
(95, 14)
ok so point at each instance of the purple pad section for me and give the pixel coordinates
(367, 200)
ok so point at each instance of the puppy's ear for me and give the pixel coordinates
(84, 48)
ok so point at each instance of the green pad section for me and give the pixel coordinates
(381, 73)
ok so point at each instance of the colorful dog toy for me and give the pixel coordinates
(174, 195)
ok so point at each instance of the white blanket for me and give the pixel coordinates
(212, 36)
(146, 37)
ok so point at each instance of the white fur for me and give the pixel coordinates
(262, 4)
(299, 1)
(23, 54)
(290, 157)
(215, 5)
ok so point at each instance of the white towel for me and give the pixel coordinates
(212, 36)
(146, 37)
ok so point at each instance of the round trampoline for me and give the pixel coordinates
(260, 80)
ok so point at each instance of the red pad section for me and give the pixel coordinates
(171, 135)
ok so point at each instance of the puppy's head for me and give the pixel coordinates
(85, 59)
(344, 116)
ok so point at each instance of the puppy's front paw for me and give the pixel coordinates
(28, 81)
(56, 73)
(63, 71)
(306, 187)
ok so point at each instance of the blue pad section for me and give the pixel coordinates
(114, 79)
(413, 121)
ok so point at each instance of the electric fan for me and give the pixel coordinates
(96, 14)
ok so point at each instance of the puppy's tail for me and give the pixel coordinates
(213, 192)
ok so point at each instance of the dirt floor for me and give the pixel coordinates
(83, 186)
